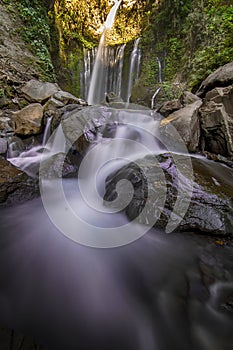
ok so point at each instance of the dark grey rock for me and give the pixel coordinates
(217, 128)
(211, 205)
(15, 185)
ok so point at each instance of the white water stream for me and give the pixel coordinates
(99, 70)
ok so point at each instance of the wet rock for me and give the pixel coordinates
(15, 147)
(15, 185)
(223, 76)
(207, 199)
(217, 128)
(186, 124)
(37, 91)
(3, 147)
(219, 158)
(28, 121)
(58, 166)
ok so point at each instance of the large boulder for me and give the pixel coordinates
(223, 76)
(15, 185)
(28, 121)
(185, 122)
(37, 91)
(222, 95)
(217, 128)
(207, 198)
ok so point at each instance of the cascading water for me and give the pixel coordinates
(134, 68)
(145, 295)
(160, 81)
(99, 74)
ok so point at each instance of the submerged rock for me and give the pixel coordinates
(15, 185)
(205, 203)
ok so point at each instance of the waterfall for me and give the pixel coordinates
(134, 67)
(114, 58)
(120, 61)
(160, 81)
(100, 70)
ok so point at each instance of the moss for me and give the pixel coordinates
(36, 33)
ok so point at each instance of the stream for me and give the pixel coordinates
(150, 291)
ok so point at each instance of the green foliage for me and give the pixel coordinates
(194, 37)
(37, 33)
(1, 92)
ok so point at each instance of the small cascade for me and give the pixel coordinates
(154, 96)
(100, 72)
(29, 160)
(134, 68)
(160, 79)
(47, 131)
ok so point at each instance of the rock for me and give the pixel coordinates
(186, 123)
(3, 101)
(112, 97)
(28, 121)
(114, 101)
(222, 95)
(59, 100)
(217, 128)
(223, 76)
(187, 98)
(218, 158)
(3, 147)
(67, 98)
(57, 166)
(6, 124)
(52, 105)
(210, 206)
(62, 113)
(15, 185)
(37, 91)
(15, 147)
(169, 107)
